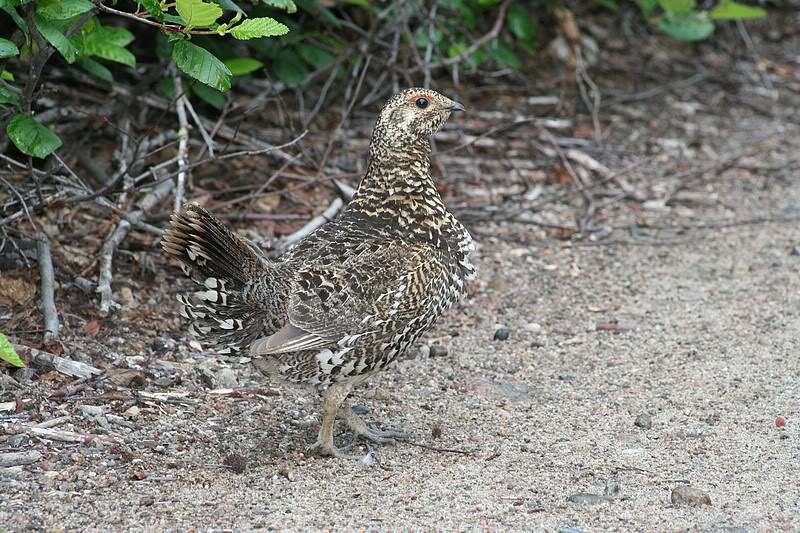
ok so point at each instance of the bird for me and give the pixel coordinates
(351, 297)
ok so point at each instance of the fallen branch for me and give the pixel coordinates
(118, 235)
(19, 458)
(326, 216)
(183, 139)
(58, 434)
(48, 361)
(47, 288)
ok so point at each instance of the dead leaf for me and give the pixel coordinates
(90, 329)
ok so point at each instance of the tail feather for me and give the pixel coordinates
(235, 301)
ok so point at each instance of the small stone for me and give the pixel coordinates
(583, 498)
(437, 350)
(360, 409)
(226, 379)
(567, 378)
(132, 411)
(501, 334)
(17, 441)
(570, 530)
(686, 495)
(164, 383)
(780, 422)
(235, 462)
(286, 472)
(612, 489)
(643, 421)
(534, 328)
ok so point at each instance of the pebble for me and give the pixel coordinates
(687, 495)
(226, 379)
(534, 328)
(643, 421)
(501, 334)
(438, 350)
(360, 409)
(17, 441)
(584, 498)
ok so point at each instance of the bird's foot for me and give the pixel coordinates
(328, 449)
(361, 429)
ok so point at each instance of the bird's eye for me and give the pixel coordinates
(422, 103)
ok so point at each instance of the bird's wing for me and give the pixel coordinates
(336, 297)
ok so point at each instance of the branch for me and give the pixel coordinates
(47, 288)
(183, 138)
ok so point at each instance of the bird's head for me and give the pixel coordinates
(415, 113)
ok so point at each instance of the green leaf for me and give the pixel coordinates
(8, 354)
(212, 97)
(259, 27)
(241, 66)
(611, 5)
(95, 69)
(677, 6)
(201, 65)
(287, 5)
(15, 16)
(8, 48)
(62, 9)
(31, 137)
(520, 22)
(8, 97)
(229, 5)
(690, 27)
(505, 56)
(198, 14)
(115, 35)
(314, 56)
(648, 7)
(289, 68)
(153, 8)
(730, 10)
(56, 38)
(109, 51)
(6, 75)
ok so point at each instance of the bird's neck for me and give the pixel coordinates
(398, 174)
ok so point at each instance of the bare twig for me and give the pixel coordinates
(47, 288)
(118, 235)
(57, 434)
(327, 215)
(183, 139)
(19, 458)
(50, 361)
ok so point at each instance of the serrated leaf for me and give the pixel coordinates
(690, 27)
(153, 8)
(198, 14)
(729, 10)
(110, 52)
(289, 68)
(201, 65)
(259, 27)
(8, 97)
(8, 48)
(212, 97)
(31, 137)
(677, 6)
(8, 354)
(62, 9)
(53, 36)
(315, 56)
(95, 69)
(241, 66)
(287, 5)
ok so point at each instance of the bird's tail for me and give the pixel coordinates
(235, 301)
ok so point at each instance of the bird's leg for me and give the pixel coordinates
(334, 397)
(361, 429)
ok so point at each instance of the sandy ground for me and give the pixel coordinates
(659, 356)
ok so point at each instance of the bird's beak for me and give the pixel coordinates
(455, 106)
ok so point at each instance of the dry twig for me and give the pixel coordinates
(47, 288)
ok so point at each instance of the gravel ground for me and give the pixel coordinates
(661, 356)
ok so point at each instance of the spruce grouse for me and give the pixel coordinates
(351, 297)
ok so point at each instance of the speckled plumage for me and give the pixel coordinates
(351, 297)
